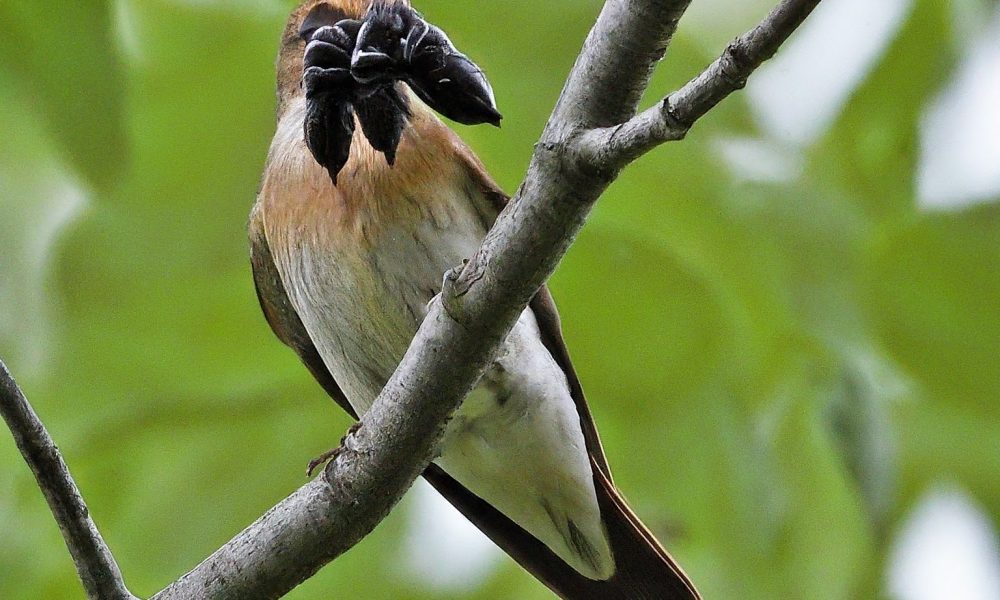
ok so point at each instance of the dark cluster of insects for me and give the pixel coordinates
(353, 67)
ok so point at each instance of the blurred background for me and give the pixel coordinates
(788, 324)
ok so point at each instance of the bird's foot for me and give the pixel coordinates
(333, 453)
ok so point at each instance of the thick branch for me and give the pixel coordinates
(97, 568)
(614, 147)
(613, 69)
(326, 517)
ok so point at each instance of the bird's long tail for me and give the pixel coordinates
(643, 569)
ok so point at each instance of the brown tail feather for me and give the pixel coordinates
(644, 570)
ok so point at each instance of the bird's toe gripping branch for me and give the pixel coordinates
(351, 67)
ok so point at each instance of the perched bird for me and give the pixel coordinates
(366, 200)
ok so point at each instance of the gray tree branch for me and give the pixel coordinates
(98, 570)
(480, 302)
(672, 117)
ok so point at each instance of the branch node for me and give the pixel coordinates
(595, 156)
(457, 282)
(461, 279)
(677, 128)
(735, 64)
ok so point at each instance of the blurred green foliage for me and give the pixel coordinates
(779, 370)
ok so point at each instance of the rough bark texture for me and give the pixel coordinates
(590, 136)
(670, 119)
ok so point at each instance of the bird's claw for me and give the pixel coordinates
(333, 453)
(322, 459)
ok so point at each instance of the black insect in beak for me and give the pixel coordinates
(353, 67)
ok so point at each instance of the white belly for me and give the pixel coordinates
(517, 440)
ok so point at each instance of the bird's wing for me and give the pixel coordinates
(287, 325)
(644, 570)
(544, 308)
(281, 315)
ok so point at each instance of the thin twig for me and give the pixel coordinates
(98, 570)
(616, 146)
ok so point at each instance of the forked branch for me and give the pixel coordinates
(671, 118)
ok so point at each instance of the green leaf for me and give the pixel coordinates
(63, 57)
(871, 151)
(933, 298)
